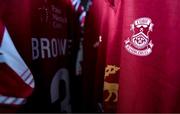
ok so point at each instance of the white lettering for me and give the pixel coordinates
(62, 46)
(54, 47)
(35, 51)
(48, 48)
(45, 47)
(134, 51)
(57, 17)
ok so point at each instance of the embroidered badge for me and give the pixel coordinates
(112, 88)
(139, 43)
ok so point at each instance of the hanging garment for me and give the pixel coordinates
(131, 56)
(17, 81)
(99, 54)
(39, 42)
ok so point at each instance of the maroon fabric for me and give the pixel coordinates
(151, 83)
(146, 83)
(51, 20)
(10, 83)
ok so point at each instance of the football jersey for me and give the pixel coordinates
(131, 56)
(17, 81)
(149, 73)
(39, 41)
(99, 54)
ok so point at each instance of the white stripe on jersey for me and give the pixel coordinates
(2, 98)
(19, 101)
(11, 100)
(32, 84)
(25, 75)
(12, 58)
(29, 79)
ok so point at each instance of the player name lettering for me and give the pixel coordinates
(48, 48)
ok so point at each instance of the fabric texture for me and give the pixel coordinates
(135, 65)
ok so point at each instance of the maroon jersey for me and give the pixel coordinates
(17, 81)
(149, 73)
(36, 44)
(136, 55)
(99, 50)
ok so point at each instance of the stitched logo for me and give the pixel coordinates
(139, 43)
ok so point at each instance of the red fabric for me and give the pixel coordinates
(24, 20)
(101, 22)
(11, 85)
(151, 83)
(146, 83)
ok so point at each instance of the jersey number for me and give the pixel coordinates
(62, 75)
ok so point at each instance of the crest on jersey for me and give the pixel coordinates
(111, 87)
(139, 43)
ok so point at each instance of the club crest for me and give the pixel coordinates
(139, 43)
